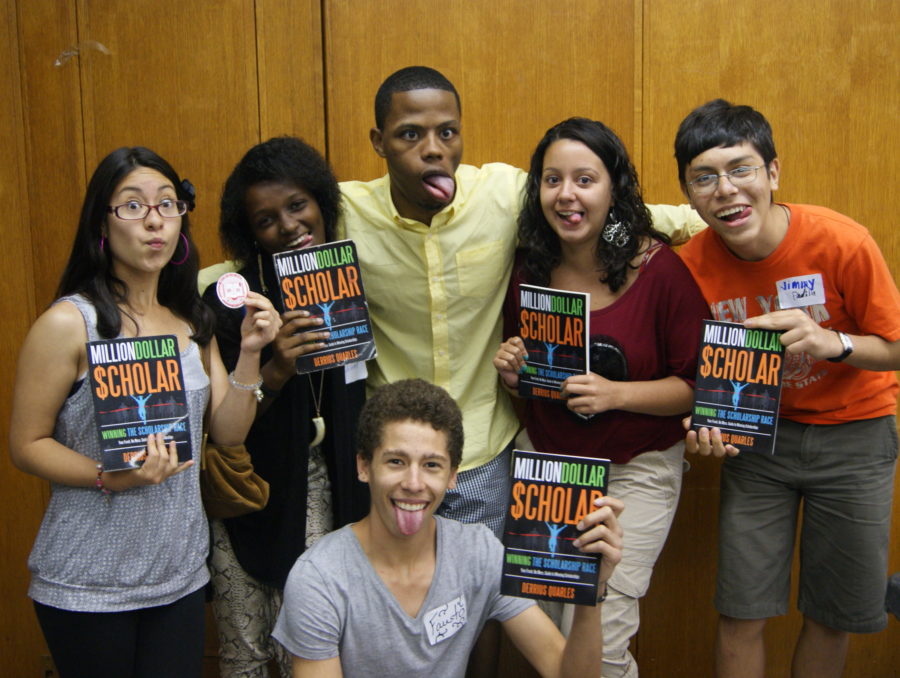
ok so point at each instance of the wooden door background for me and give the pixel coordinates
(201, 80)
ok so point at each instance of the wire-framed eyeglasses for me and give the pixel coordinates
(739, 176)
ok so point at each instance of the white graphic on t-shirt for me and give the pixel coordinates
(445, 620)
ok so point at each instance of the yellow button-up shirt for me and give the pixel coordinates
(436, 292)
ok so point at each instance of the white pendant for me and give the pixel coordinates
(319, 423)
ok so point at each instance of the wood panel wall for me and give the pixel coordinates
(202, 81)
(519, 66)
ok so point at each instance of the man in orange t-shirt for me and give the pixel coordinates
(819, 277)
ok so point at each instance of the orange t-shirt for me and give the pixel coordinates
(860, 297)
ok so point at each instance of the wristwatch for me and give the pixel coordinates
(847, 343)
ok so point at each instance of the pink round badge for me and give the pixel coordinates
(232, 289)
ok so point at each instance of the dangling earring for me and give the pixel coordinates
(102, 243)
(262, 280)
(615, 232)
(187, 251)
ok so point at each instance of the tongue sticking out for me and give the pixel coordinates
(574, 219)
(409, 522)
(737, 215)
(440, 186)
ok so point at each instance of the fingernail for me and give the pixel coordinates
(520, 370)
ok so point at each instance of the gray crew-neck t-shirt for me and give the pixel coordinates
(335, 604)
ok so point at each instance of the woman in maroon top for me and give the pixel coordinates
(584, 227)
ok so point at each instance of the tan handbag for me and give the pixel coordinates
(228, 485)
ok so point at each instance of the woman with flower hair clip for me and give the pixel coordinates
(119, 565)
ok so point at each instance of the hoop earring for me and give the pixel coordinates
(187, 251)
(102, 243)
(615, 232)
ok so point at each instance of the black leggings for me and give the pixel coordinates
(149, 643)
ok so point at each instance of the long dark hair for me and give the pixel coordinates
(541, 244)
(284, 160)
(89, 270)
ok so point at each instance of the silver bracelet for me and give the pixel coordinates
(256, 388)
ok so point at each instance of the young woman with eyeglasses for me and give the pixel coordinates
(119, 564)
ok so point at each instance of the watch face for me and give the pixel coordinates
(847, 345)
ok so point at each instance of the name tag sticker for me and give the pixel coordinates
(444, 621)
(802, 290)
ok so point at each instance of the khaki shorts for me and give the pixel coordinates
(842, 476)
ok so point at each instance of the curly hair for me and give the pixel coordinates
(540, 243)
(89, 269)
(287, 160)
(410, 399)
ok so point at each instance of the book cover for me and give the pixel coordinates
(325, 280)
(739, 384)
(554, 326)
(549, 495)
(138, 388)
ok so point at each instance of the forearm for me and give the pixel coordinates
(584, 646)
(232, 417)
(50, 460)
(661, 397)
(679, 222)
(871, 352)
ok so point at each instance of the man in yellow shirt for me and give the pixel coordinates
(436, 241)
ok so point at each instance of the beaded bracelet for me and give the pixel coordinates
(99, 483)
(256, 388)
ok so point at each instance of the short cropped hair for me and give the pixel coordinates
(410, 400)
(721, 123)
(285, 160)
(406, 80)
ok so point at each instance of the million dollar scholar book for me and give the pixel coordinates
(325, 280)
(553, 324)
(738, 388)
(137, 385)
(549, 495)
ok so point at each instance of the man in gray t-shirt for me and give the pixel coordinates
(402, 591)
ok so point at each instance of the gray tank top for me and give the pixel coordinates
(147, 546)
